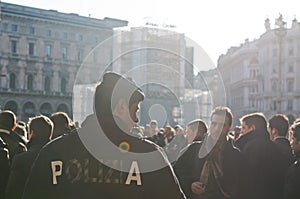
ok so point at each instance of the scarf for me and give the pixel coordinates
(214, 166)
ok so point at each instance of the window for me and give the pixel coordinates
(291, 51)
(63, 85)
(13, 46)
(31, 46)
(28, 110)
(30, 82)
(275, 68)
(5, 26)
(253, 73)
(12, 81)
(274, 86)
(291, 68)
(64, 52)
(47, 84)
(48, 49)
(48, 33)
(290, 104)
(80, 55)
(290, 85)
(274, 105)
(31, 30)
(65, 35)
(80, 37)
(14, 28)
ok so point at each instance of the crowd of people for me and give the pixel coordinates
(110, 156)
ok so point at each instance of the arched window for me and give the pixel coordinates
(28, 111)
(30, 82)
(47, 83)
(63, 108)
(63, 85)
(46, 109)
(12, 106)
(274, 86)
(12, 81)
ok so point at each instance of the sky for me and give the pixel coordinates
(215, 25)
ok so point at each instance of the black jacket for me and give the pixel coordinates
(265, 166)
(285, 148)
(184, 166)
(189, 167)
(13, 145)
(20, 169)
(292, 181)
(4, 167)
(90, 164)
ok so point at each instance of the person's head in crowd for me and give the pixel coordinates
(254, 122)
(168, 131)
(278, 126)
(62, 123)
(22, 132)
(295, 137)
(236, 132)
(291, 119)
(153, 126)
(162, 131)
(196, 130)
(178, 130)
(220, 122)
(24, 124)
(40, 128)
(297, 120)
(8, 120)
(147, 130)
(117, 100)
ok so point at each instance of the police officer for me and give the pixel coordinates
(103, 159)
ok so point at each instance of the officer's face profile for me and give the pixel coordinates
(134, 108)
(128, 114)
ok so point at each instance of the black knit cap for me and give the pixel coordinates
(115, 86)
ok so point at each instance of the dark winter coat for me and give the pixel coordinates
(4, 167)
(265, 166)
(292, 181)
(20, 169)
(90, 164)
(13, 145)
(189, 167)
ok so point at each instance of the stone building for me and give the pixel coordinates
(264, 75)
(161, 62)
(40, 54)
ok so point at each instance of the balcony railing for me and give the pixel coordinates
(35, 92)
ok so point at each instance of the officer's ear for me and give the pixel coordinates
(30, 134)
(14, 127)
(230, 127)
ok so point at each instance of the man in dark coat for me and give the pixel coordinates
(216, 167)
(184, 166)
(4, 168)
(104, 160)
(7, 126)
(41, 129)
(292, 180)
(265, 166)
(278, 129)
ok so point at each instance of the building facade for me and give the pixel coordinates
(40, 54)
(161, 61)
(264, 75)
